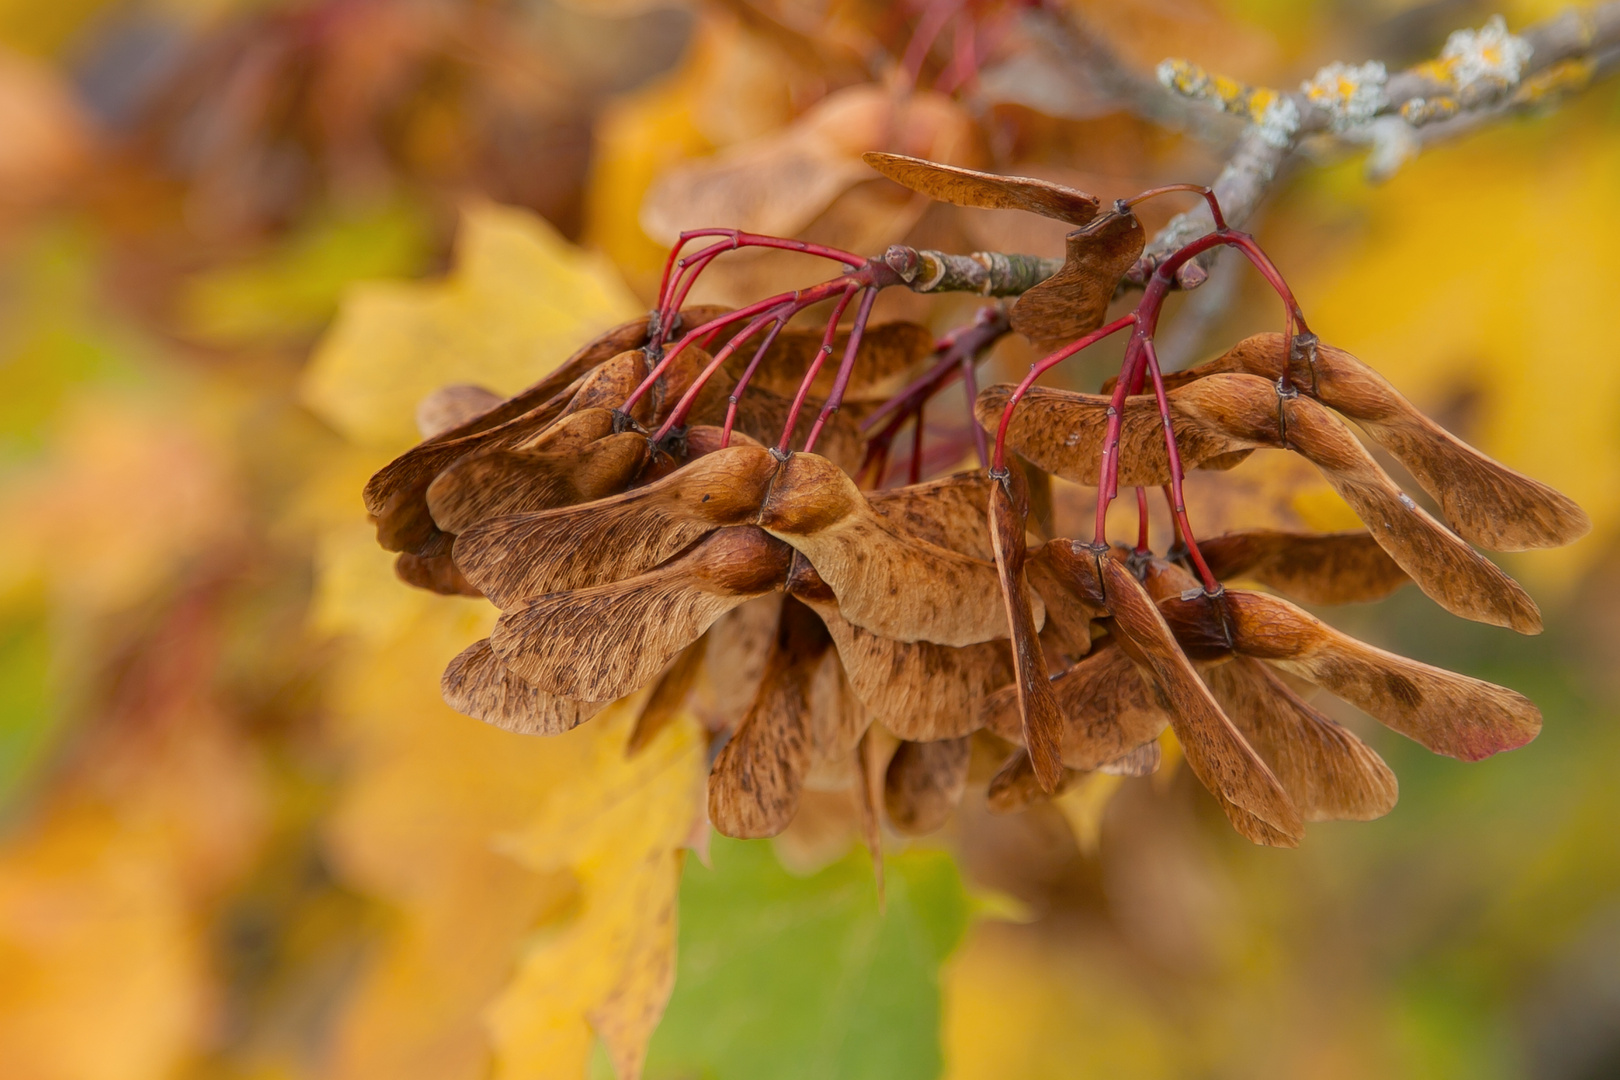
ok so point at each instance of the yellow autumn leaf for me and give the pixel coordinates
(484, 845)
(519, 301)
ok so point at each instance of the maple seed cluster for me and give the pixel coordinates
(652, 517)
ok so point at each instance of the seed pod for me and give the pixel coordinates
(756, 781)
(667, 697)
(1108, 710)
(888, 583)
(1484, 500)
(924, 783)
(917, 689)
(1454, 575)
(395, 496)
(452, 406)
(1062, 431)
(1331, 568)
(1247, 790)
(519, 556)
(967, 187)
(1015, 785)
(1074, 301)
(1041, 721)
(740, 644)
(1450, 714)
(1331, 774)
(477, 684)
(496, 483)
(603, 642)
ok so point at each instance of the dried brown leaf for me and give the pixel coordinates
(606, 641)
(1331, 774)
(1014, 786)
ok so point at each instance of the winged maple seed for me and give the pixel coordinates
(660, 517)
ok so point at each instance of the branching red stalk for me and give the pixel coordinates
(747, 376)
(782, 447)
(845, 368)
(1211, 585)
(1142, 547)
(999, 459)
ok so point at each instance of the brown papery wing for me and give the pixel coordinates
(1331, 774)
(515, 557)
(452, 406)
(1247, 790)
(1317, 568)
(924, 783)
(1454, 575)
(606, 641)
(951, 512)
(739, 647)
(1067, 582)
(1484, 500)
(478, 685)
(1074, 301)
(886, 350)
(917, 689)
(1040, 719)
(500, 482)
(1108, 710)
(1014, 786)
(395, 495)
(668, 696)
(756, 781)
(1450, 714)
(1063, 432)
(886, 582)
(967, 187)
(436, 573)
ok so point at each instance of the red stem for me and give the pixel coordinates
(747, 375)
(1211, 586)
(999, 461)
(815, 366)
(845, 368)
(1142, 547)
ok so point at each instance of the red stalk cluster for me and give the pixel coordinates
(957, 354)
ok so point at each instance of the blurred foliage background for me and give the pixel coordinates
(243, 838)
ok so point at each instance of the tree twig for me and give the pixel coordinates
(1479, 77)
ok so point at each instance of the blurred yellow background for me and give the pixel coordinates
(242, 837)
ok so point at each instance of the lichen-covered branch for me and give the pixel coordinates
(1479, 76)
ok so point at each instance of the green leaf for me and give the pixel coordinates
(804, 977)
